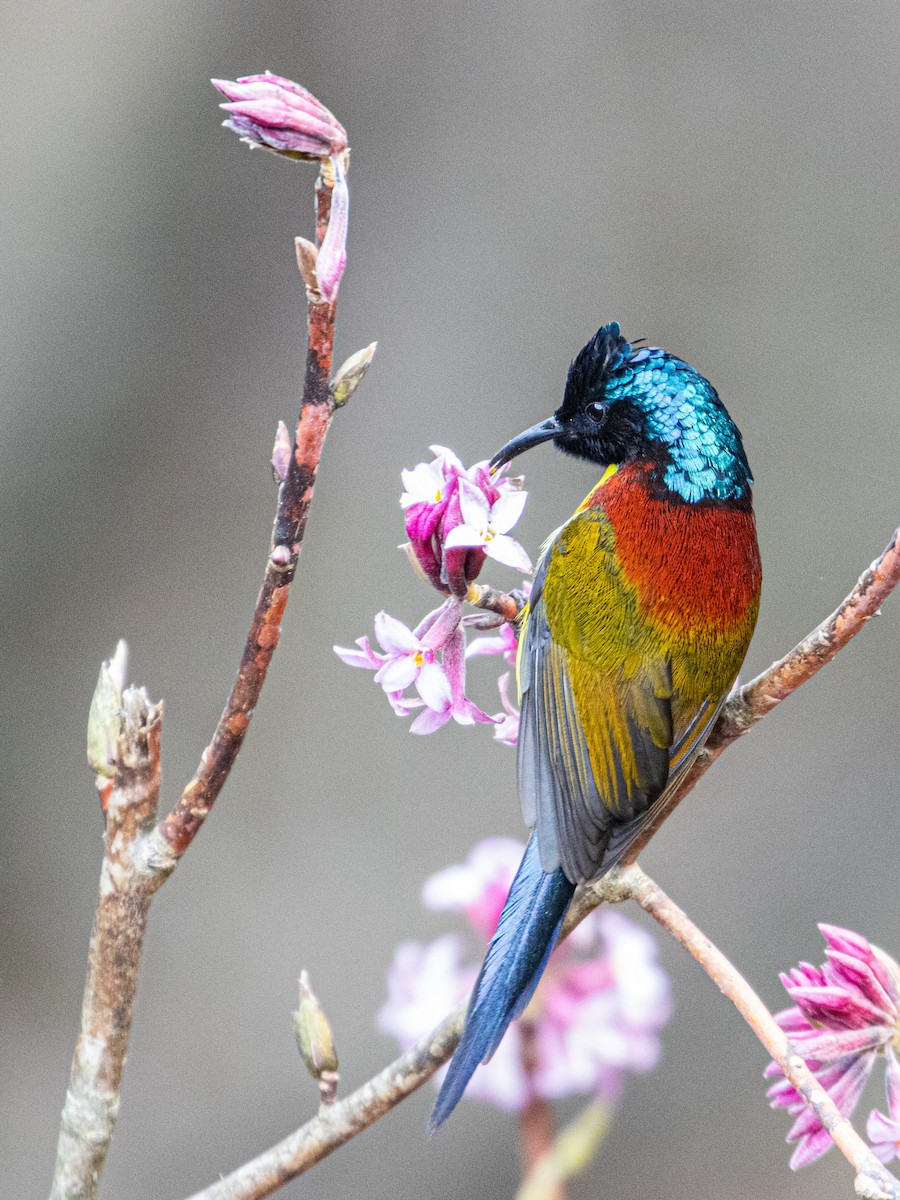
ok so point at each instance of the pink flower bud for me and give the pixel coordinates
(333, 251)
(268, 110)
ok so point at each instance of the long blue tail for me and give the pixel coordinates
(515, 961)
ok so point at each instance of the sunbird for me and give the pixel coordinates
(640, 614)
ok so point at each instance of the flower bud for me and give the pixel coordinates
(268, 110)
(315, 1041)
(105, 715)
(281, 453)
(349, 375)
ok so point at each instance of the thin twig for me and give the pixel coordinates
(312, 1142)
(872, 1178)
(571, 1152)
(506, 605)
(342, 1121)
(176, 831)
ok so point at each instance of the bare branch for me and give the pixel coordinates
(139, 856)
(92, 1101)
(571, 1152)
(340, 1122)
(537, 1122)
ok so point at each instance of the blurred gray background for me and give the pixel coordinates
(723, 179)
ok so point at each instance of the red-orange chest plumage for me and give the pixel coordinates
(689, 562)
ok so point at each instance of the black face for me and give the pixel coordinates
(585, 424)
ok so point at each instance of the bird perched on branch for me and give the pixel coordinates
(641, 611)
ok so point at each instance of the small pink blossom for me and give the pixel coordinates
(846, 1013)
(485, 526)
(430, 658)
(433, 503)
(408, 658)
(456, 705)
(269, 110)
(595, 1016)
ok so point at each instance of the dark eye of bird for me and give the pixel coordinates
(597, 409)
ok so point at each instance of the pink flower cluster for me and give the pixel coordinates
(846, 1013)
(455, 518)
(271, 111)
(597, 1011)
(431, 658)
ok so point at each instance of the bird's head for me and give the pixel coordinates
(626, 404)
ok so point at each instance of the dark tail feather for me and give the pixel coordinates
(515, 961)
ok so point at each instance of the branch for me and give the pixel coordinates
(92, 1101)
(570, 1153)
(138, 856)
(872, 1178)
(537, 1125)
(340, 1122)
(316, 1139)
(176, 832)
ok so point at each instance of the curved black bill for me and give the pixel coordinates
(542, 432)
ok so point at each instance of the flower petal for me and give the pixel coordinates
(464, 535)
(884, 1135)
(892, 1083)
(507, 511)
(397, 673)
(394, 636)
(506, 550)
(433, 686)
(447, 459)
(333, 252)
(428, 721)
(364, 657)
(473, 505)
(424, 483)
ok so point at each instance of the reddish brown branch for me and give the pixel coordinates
(176, 831)
(139, 855)
(507, 605)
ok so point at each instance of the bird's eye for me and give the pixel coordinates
(597, 410)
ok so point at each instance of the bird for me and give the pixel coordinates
(641, 611)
